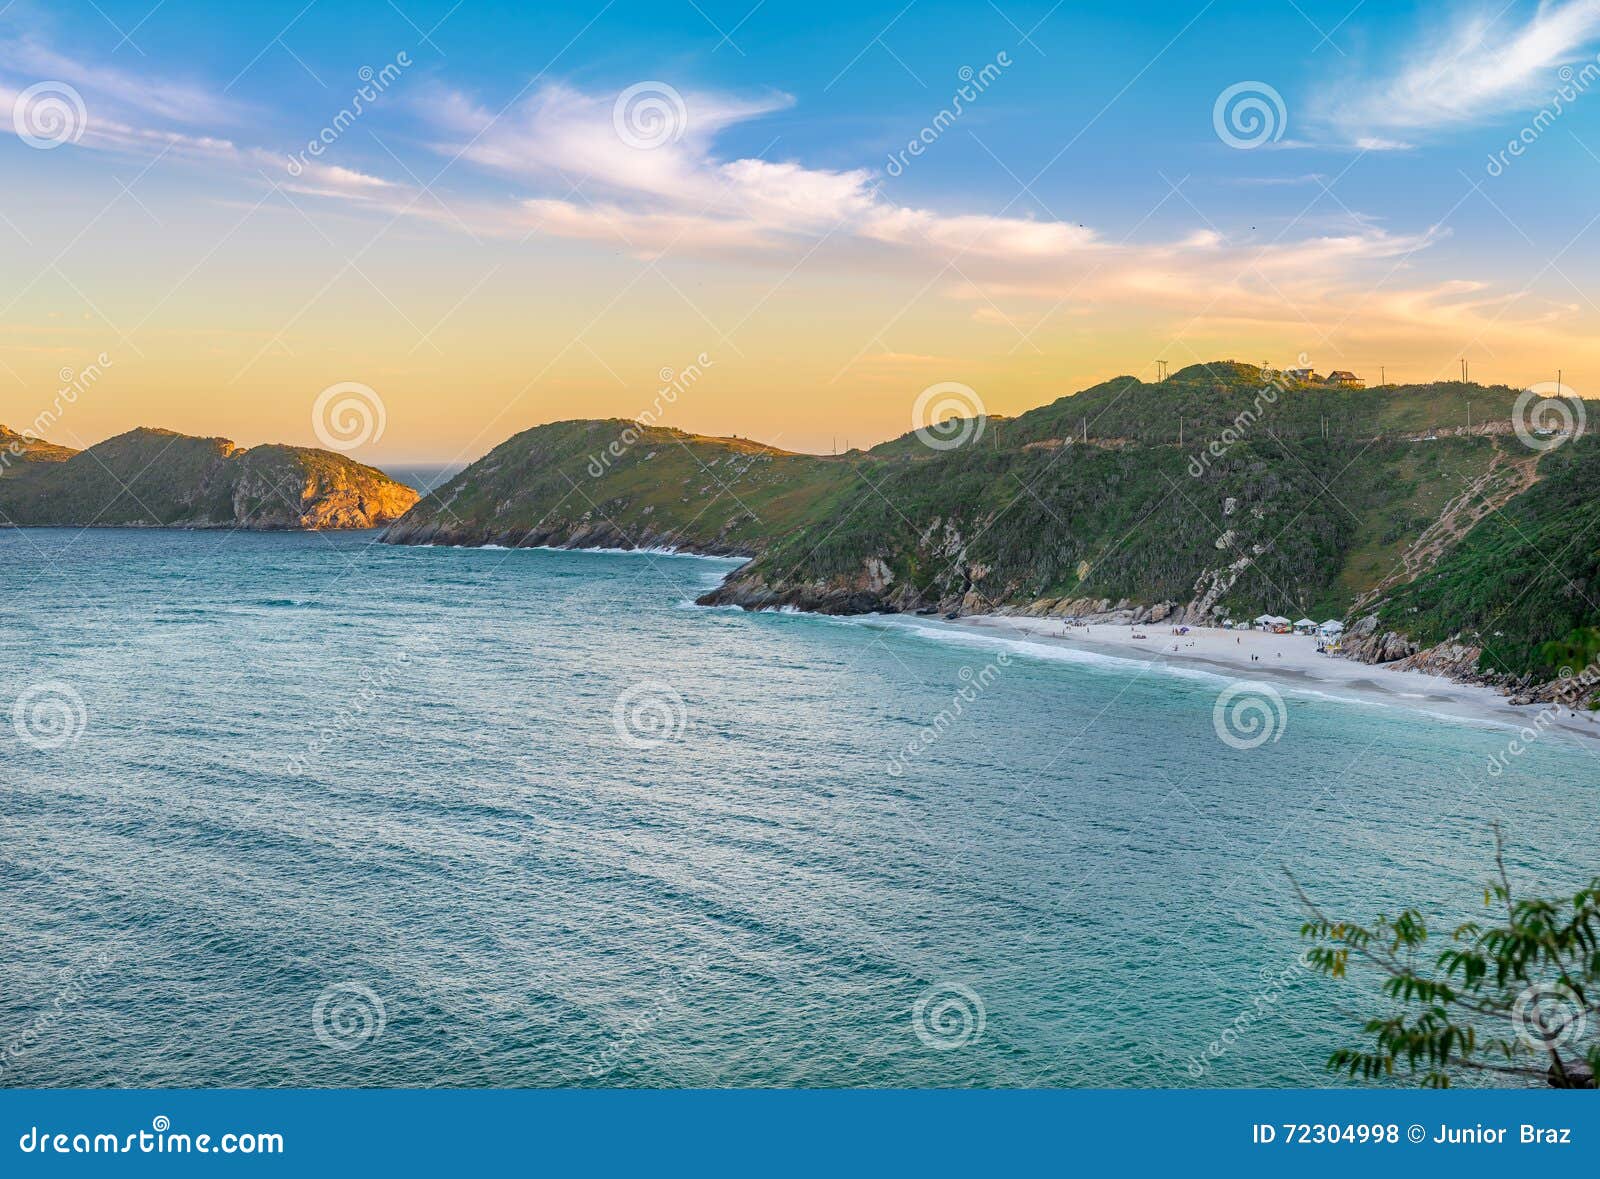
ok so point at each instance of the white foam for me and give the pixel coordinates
(1474, 713)
(642, 551)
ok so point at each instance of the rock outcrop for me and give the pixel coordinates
(157, 478)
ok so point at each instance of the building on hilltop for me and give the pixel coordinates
(1306, 375)
(1345, 380)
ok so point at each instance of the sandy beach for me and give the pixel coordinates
(1289, 660)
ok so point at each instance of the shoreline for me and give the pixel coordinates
(1289, 660)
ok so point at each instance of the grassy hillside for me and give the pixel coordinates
(1526, 575)
(17, 449)
(1290, 526)
(1200, 402)
(150, 477)
(615, 484)
(1289, 498)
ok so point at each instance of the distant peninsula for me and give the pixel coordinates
(158, 478)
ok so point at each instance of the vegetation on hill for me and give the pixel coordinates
(155, 478)
(17, 448)
(1224, 491)
(1525, 576)
(1202, 401)
(615, 484)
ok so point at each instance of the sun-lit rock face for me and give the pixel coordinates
(156, 478)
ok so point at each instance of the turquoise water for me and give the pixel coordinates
(308, 810)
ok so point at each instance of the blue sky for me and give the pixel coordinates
(1081, 216)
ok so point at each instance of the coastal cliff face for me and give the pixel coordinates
(1221, 492)
(157, 478)
(1513, 599)
(1063, 530)
(289, 487)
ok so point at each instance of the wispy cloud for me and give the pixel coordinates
(1468, 72)
(574, 174)
(120, 94)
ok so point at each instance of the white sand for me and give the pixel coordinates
(1291, 660)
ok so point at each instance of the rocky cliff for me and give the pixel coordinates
(158, 478)
(1221, 492)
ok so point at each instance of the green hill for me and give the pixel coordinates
(152, 478)
(1526, 575)
(615, 484)
(1223, 491)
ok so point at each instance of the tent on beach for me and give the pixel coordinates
(1305, 626)
(1331, 629)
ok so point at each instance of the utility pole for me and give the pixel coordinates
(1161, 370)
(1382, 379)
(1469, 415)
(1180, 428)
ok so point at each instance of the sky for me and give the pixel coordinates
(412, 228)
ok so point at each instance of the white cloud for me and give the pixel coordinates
(1462, 74)
(998, 237)
(680, 192)
(575, 176)
(117, 93)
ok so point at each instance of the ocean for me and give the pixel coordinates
(308, 810)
